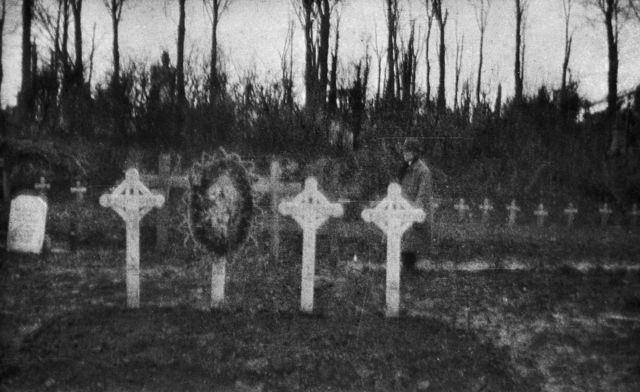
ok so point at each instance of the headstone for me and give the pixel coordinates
(462, 209)
(486, 208)
(541, 214)
(132, 200)
(513, 213)
(605, 212)
(635, 212)
(42, 187)
(310, 209)
(79, 191)
(27, 221)
(393, 215)
(571, 211)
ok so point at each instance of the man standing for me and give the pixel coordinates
(415, 180)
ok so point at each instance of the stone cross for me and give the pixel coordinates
(393, 215)
(571, 211)
(462, 209)
(132, 200)
(310, 209)
(42, 186)
(604, 211)
(79, 191)
(541, 214)
(513, 212)
(634, 215)
(486, 208)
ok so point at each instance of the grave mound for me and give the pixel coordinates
(181, 348)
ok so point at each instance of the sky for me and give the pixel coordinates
(252, 35)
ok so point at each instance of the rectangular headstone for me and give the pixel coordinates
(27, 220)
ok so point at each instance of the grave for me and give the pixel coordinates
(393, 215)
(310, 209)
(79, 191)
(605, 212)
(541, 215)
(513, 212)
(27, 221)
(486, 208)
(571, 211)
(462, 209)
(132, 200)
(635, 212)
(42, 187)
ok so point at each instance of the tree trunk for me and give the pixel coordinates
(392, 9)
(26, 90)
(309, 70)
(115, 78)
(76, 6)
(3, 14)
(442, 22)
(517, 66)
(333, 85)
(64, 48)
(323, 52)
(612, 45)
(480, 59)
(214, 80)
(180, 57)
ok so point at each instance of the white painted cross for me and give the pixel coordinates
(571, 211)
(604, 211)
(486, 208)
(79, 190)
(310, 209)
(513, 212)
(462, 209)
(393, 215)
(635, 212)
(132, 200)
(42, 186)
(541, 214)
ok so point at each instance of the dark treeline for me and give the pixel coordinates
(543, 143)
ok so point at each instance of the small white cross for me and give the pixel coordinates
(486, 208)
(79, 190)
(393, 215)
(571, 211)
(132, 200)
(541, 213)
(604, 211)
(42, 186)
(635, 212)
(462, 209)
(513, 211)
(310, 209)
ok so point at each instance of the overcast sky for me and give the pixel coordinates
(252, 35)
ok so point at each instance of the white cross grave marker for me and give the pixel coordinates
(42, 186)
(79, 190)
(571, 211)
(132, 200)
(486, 208)
(541, 214)
(513, 212)
(604, 211)
(310, 209)
(393, 215)
(462, 209)
(635, 212)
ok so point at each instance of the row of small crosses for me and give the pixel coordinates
(571, 211)
(42, 186)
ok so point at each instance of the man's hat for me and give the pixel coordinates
(412, 144)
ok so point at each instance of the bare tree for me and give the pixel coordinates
(3, 14)
(180, 56)
(76, 8)
(115, 9)
(392, 14)
(482, 8)
(26, 90)
(333, 82)
(215, 9)
(568, 39)
(377, 50)
(429, 10)
(458, 67)
(441, 16)
(521, 7)
(286, 66)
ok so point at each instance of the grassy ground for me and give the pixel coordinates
(65, 326)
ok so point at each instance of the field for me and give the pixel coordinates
(491, 310)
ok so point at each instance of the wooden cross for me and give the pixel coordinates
(132, 200)
(393, 215)
(310, 209)
(634, 215)
(277, 189)
(513, 212)
(486, 208)
(541, 214)
(571, 211)
(604, 211)
(42, 186)
(79, 191)
(462, 209)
